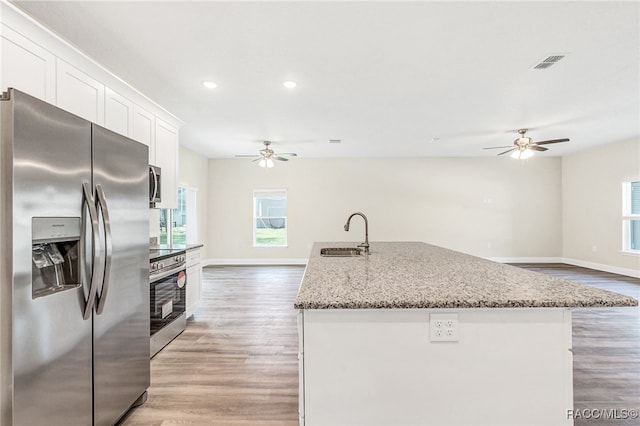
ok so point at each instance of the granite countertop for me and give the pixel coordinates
(175, 246)
(419, 275)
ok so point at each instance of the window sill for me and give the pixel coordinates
(630, 252)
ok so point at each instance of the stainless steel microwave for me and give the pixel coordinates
(155, 186)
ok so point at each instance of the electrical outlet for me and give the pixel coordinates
(444, 328)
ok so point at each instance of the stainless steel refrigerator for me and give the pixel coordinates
(74, 296)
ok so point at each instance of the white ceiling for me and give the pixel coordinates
(384, 77)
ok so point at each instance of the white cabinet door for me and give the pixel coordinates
(118, 113)
(194, 280)
(166, 153)
(143, 130)
(26, 66)
(79, 93)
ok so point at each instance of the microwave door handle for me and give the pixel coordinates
(155, 183)
(108, 247)
(89, 204)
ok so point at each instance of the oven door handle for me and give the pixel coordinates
(165, 274)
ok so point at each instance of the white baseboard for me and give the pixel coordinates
(604, 268)
(526, 259)
(568, 261)
(303, 261)
(248, 262)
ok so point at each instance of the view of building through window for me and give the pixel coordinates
(173, 222)
(270, 218)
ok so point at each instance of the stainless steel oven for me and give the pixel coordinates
(167, 282)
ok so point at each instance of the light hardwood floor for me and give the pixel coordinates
(606, 347)
(236, 363)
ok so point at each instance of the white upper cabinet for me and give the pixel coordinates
(79, 93)
(35, 61)
(26, 66)
(143, 130)
(118, 113)
(166, 153)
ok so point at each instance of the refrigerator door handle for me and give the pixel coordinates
(108, 244)
(95, 248)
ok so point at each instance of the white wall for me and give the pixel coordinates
(193, 172)
(592, 206)
(490, 207)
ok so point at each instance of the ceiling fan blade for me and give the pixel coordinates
(290, 154)
(498, 147)
(552, 141)
(509, 150)
(280, 158)
(538, 148)
(247, 156)
(257, 159)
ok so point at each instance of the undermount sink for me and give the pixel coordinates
(340, 251)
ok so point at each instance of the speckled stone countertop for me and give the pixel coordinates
(419, 275)
(175, 246)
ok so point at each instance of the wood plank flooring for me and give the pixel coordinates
(236, 364)
(237, 361)
(606, 346)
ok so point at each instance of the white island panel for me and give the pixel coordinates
(368, 357)
(379, 367)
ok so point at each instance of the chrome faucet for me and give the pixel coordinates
(364, 245)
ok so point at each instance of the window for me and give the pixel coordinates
(173, 222)
(270, 218)
(631, 217)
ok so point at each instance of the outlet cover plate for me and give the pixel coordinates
(444, 328)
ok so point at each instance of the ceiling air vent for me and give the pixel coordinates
(548, 61)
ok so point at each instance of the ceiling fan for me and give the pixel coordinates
(524, 146)
(266, 156)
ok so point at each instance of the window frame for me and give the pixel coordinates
(256, 195)
(628, 217)
(189, 194)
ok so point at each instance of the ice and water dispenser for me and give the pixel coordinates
(55, 253)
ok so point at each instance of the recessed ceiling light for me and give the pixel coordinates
(210, 85)
(289, 84)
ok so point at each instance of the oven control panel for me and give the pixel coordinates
(167, 262)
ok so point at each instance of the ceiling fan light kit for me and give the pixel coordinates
(521, 154)
(523, 147)
(266, 156)
(266, 162)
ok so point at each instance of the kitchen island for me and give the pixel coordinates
(415, 334)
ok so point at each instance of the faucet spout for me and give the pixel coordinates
(365, 245)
